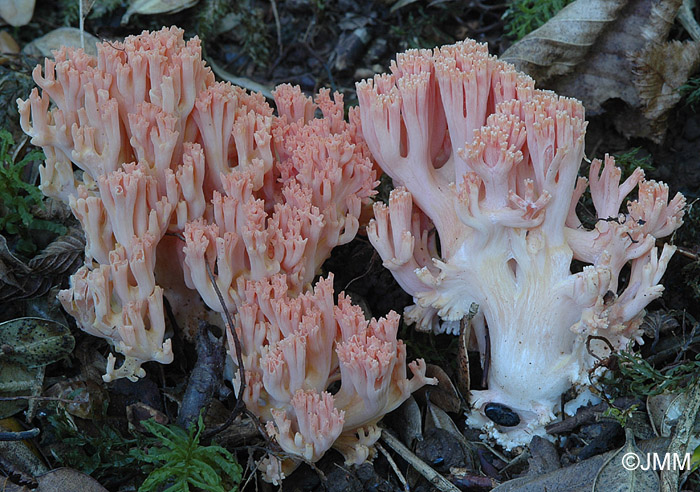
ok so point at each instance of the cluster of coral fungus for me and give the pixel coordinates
(260, 199)
(491, 163)
(481, 160)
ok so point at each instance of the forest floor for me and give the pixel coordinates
(334, 44)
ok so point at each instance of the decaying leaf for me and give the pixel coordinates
(34, 279)
(20, 457)
(411, 426)
(64, 255)
(15, 380)
(87, 397)
(685, 437)
(61, 479)
(563, 42)
(591, 50)
(150, 7)
(63, 36)
(438, 418)
(578, 477)
(622, 471)
(34, 342)
(660, 71)
(543, 457)
(664, 411)
(444, 394)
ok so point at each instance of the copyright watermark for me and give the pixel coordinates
(655, 461)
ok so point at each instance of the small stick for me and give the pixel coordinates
(394, 467)
(19, 436)
(437, 480)
(278, 26)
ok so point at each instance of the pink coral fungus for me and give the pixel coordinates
(488, 164)
(164, 152)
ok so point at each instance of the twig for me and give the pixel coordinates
(81, 24)
(487, 357)
(587, 415)
(276, 15)
(394, 467)
(437, 480)
(602, 339)
(687, 253)
(239, 406)
(19, 436)
(37, 398)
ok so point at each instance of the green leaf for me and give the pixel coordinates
(179, 460)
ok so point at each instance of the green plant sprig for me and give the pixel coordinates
(177, 460)
(18, 198)
(645, 380)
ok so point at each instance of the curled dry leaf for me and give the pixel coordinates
(63, 36)
(61, 479)
(34, 342)
(410, 427)
(34, 279)
(244, 82)
(591, 50)
(7, 45)
(622, 471)
(660, 71)
(664, 411)
(564, 42)
(444, 394)
(150, 7)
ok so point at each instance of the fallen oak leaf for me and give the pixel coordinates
(660, 71)
(629, 46)
(563, 42)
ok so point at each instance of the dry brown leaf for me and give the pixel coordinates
(660, 71)
(63, 479)
(562, 43)
(150, 7)
(63, 256)
(7, 45)
(620, 473)
(444, 394)
(63, 36)
(624, 57)
(34, 279)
